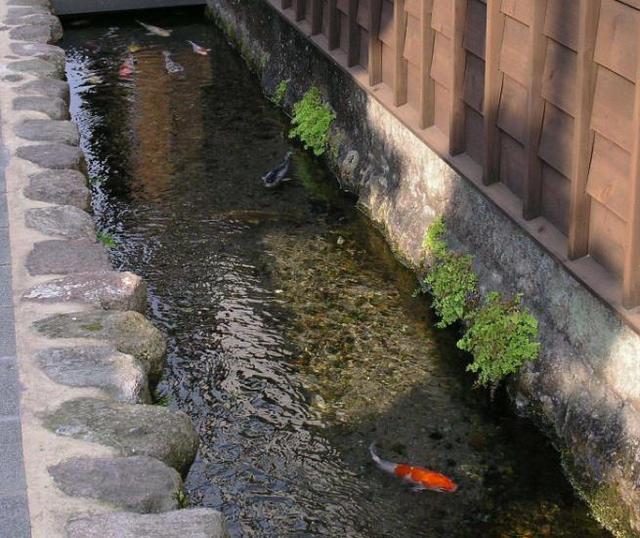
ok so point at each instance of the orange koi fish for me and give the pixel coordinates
(127, 68)
(419, 477)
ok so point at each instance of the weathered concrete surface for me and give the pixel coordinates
(65, 221)
(121, 376)
(63, 257)
(194, 523)
(109, 290)
(128, 332)
(68, 187)
(585, 389)
(133, 430)
(140, 484)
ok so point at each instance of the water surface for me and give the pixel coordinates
(294, 340)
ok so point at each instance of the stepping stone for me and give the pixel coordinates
(40, 33)
(193, 522)
(133, 430)
(54, 156)
(51, 88)
(66, 221)
(140, 484)
(63, 132)
(68, 187)
(128, 332)
(109, 290)
(50, 53)
(60, 257)
(56, 109)
(121, 376)
(37, 67)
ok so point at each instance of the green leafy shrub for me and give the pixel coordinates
(312, 119)
(501, 338)
(280, 92)
(433, 242)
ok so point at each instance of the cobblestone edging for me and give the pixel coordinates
(99, 459)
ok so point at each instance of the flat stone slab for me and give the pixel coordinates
(193, 522)
(61, 131)
(60, 257)
(110, 290)
(140, 484)
(56, 156)
(30, 3)
(65, 221)
(55, 108)
(50, 88)
(40, 33)
(50, 53)
(68, 187)
(37, 67)
(133, 430)
(128, 332)
(120, 375)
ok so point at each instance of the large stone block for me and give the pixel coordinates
(133, 430)
(68, 187)
(64, 132)
(65, 221)
(60, 257)
(120, 375)
(51, 89)
(140, 484)
(37, 67)
(194, 523)
(56, 156)
(55, 108)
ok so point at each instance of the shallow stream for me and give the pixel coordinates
(294, 339)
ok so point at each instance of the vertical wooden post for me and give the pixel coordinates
(286, 4)
(427, 85)
(458, 58)
(399, 62)
(316, 17)
(631, 274)
(375, 45)
(334, 28)
(353, 43)
(299, 9)
(532, 199)
(579, 209)
(492, 89)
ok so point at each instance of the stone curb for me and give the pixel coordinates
(86, 373)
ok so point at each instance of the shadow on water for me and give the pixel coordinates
(294, 340)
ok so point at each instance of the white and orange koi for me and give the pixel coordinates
(199, 49)
(419, 477)
(156, 30)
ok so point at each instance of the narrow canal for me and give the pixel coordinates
(294, 339)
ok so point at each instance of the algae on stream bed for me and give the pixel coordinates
(293, 337)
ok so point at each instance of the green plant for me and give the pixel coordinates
(433, 242)
(312, 119)
(280, 92)
(181, 498)
(106, 239)
(501, 338)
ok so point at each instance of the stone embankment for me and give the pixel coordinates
(99, 459)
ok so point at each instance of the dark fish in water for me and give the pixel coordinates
(171, 66)
(279, 173)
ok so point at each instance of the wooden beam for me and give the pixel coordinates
(399, 62)
(353, 43)
(316, 17)
(375, 45)
(300, 5)
(532, 198)
(492, 89)
(631, 271)
(334, 25)
(427, 84)
(458, 59)
(580, 202)
(286, 4)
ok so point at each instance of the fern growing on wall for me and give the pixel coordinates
(312, 119)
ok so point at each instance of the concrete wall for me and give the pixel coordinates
(585, 390)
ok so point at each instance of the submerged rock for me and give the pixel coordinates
(133, 430)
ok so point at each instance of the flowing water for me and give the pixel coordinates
(294, 339)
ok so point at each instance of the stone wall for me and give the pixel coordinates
(100, 459)
(585, 389)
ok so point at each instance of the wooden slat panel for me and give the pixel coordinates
(556, 142)
(299, 6)
(473, 134)
(399, 62)
(579, 220)
(513, 160)
(520, 10)
(561, 22)
(388, 63)
(606, 236)
(344, 31)
(441, 109)
(353, 35)
(513, 109)
(559, 79)
(617, 40)
(412, 7)
(492, 90)
(363, 14)
(343, 6)
(413, 86)
(608, 180)
(441, 20)
(286, 4)
(427, 85)
(515, 57)
(474, 82)
(316, 16)
(375, 45)
(475, 35)
(386, 24)
(532, 201)
(334, 25)
(556, 191)
(413, 46)
(458, 56)
(325, 18)
(440, 68)
(613, 107)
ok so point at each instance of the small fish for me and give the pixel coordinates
(279, 173)
(171, 66)
(134, 47)
(127, 68)
(419, 477)
(198, 49)
(156, 30)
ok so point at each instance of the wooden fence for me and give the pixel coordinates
(537, 97)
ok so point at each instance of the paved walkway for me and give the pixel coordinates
(14, 513)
